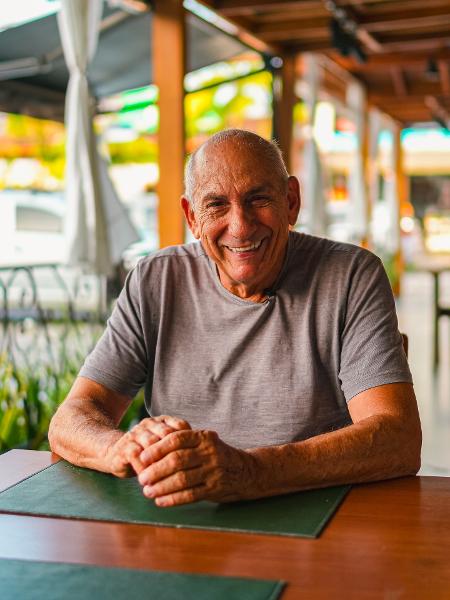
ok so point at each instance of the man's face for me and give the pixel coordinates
(242, 212)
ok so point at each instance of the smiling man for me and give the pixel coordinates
(271, 360)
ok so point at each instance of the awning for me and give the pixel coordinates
(34, 76)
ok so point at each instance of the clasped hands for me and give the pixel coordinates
(176, 464)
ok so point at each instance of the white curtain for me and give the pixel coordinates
(97, 226)
(358, 213)
(313, 181)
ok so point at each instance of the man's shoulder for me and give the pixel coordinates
(172, 260)
(305, 245)
(174, 254)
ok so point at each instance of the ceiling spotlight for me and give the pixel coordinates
(276, 62)
(432, 71)
(345, 41)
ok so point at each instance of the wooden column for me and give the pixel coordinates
(168, 47)
(283, 107)
(401, 193)
(366, 242)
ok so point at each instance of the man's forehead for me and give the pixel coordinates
(228, 166)
(220, 180)
(227, 161)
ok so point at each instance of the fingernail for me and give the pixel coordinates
(148, 491)
(142, 479)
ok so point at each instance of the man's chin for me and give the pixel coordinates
(243, 275)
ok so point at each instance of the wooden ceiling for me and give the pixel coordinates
(406, 43)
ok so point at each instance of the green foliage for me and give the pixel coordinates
(391, 265)
(143, 150)
(30, 397)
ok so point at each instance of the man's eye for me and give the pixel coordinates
(260, 200)
(215, 204)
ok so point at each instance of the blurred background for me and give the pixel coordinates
(356, 93)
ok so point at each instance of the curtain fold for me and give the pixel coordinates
(358, 211)
(97, 226)
(313, 180)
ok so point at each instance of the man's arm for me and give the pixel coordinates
(85, 430)
(383, 442)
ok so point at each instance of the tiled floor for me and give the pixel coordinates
(415, 312)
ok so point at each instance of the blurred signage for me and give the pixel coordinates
(437, 232)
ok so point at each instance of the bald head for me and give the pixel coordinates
(239, 139)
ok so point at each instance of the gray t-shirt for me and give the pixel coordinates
(257, 373)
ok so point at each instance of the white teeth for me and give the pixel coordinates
(254, 246)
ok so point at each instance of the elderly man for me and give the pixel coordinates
(271, 360)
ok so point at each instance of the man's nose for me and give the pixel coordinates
(241, 222)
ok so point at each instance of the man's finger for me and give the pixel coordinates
(127, 459)
(132, 452)
(144, 437)
(179, 460)
(175, 441)
(174, 422)
(183, 497)
(158, 428)
(189, 483)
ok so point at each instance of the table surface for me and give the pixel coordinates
(388, 540)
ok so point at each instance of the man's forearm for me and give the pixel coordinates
(82, 434)
(375, 448)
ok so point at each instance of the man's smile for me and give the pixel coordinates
(250, 247)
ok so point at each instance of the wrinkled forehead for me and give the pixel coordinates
(227, 165)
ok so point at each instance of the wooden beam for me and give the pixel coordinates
(444, 77)
(298, 35)
(415, 88)
(430, 41)
(168, 41)
(437, 110)
(251, 7)
(408, 19)
(283, 108)
(366, 38)
(302, 29)
(298, 24)
(398, 79)
(381, 62)
(322, 46)
(287, 15)
(398, 103)
(398, 6)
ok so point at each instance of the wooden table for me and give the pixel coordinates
(388, 540)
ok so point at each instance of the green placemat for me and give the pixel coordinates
(29, 580)
(63, 490)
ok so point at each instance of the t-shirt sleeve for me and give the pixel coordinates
(119, 359)
(372, 351)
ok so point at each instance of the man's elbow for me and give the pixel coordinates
(52, 433)
(417, 452)
(54, 430)
(413, 449)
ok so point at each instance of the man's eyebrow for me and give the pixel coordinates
(265, 187)
(209, 197)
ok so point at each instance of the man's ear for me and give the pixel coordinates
(190, 217)
(294, 200)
